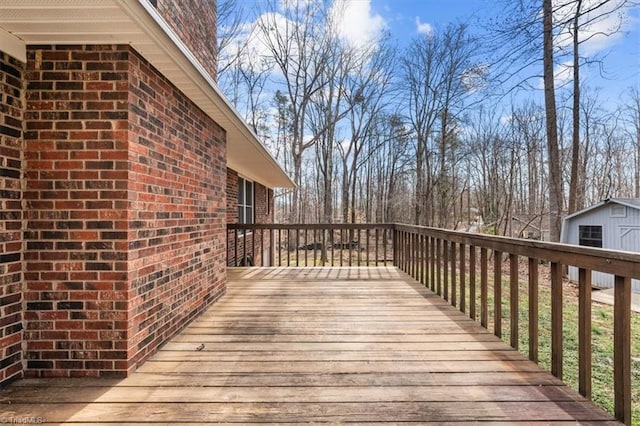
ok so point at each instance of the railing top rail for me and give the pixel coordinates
(603, 260)
(301, 226)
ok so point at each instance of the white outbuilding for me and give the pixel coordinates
(612, 224)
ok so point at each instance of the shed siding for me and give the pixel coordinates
(619, 232)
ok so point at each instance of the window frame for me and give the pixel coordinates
(244, 203)
(618, 211)
(587, 237)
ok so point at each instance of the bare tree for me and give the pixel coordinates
(230, 15)
(575, 139)
(300, 49)
(368, 84)
(632, 117)
(434, 70)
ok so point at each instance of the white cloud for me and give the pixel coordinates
(600, 29)
(294, 4)
(423, 27)
(355, 22)
(563, 74)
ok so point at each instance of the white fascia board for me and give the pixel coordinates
(13, 46)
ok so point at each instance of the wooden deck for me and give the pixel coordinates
(360, 345)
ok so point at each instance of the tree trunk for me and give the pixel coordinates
(574, 183)
(555, 182)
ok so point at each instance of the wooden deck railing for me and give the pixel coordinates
(456, 266)
(309, 245)
(453, 264)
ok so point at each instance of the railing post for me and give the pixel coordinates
(622, 348)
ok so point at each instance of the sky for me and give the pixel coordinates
(406, 19)
(617, 71)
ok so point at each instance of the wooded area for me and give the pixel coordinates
(451, 131)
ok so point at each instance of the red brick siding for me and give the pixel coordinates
(195, 23)
(125, 210)
(76, 210)
(238, 248)
(11, 239)
(178, 177)
(232, 196)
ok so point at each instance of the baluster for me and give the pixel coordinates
(514, 307)
(584, 332)
(497, 293)
(367, 246)
(533, 309)
(463, 278)
(472, 282)
(432, 262)
(445, 269)
(439, 266)
(235, 248)
(453, 274)
(556, 319)
(484, 278)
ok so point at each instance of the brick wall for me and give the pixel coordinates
(125, 210)
(178, 177)
(76, 210)
(195, 23)
(11, 240)
(239, 248)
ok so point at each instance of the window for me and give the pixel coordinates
(245, 201)
(618, 211)
(590, 235)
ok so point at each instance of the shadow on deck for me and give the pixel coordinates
(318, 345)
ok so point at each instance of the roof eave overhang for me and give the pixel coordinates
(146, 31)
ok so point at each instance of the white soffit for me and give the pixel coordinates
(136, 22)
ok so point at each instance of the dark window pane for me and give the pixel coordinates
(249, 215)
(590, 235)
(249, 199)
(240, 191)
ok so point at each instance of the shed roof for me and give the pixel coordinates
(634, 203)
(137, 23)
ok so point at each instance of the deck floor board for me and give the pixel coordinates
(291, 345)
